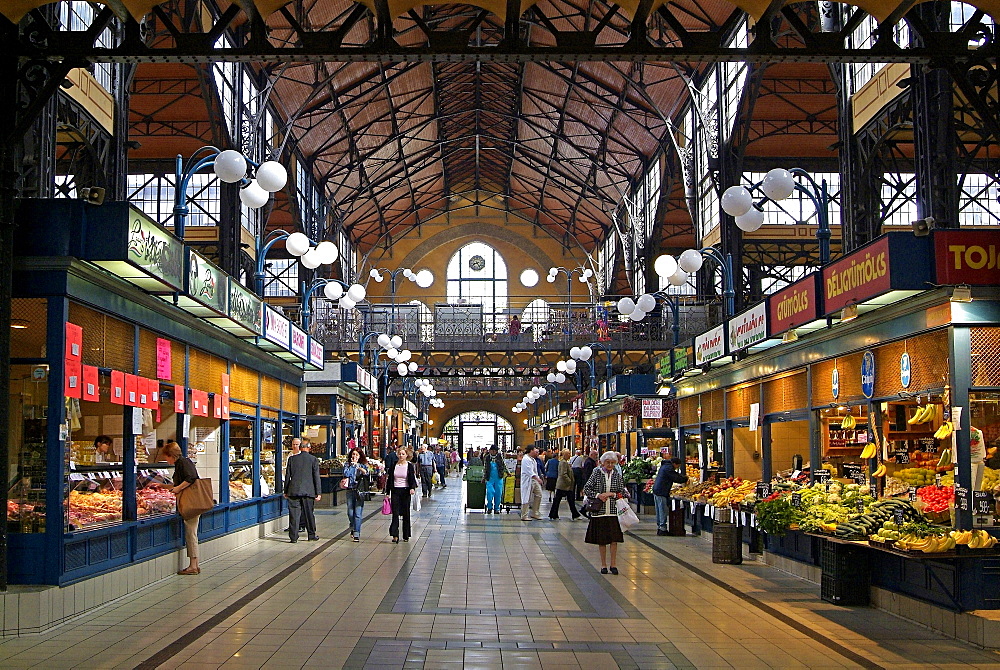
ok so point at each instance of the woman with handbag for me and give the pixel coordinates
(356, 481)
(603, 488)
(185, 474)
(404, 485)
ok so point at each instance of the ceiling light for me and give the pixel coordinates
(959, 294)
(529, 278)
(849, 313)
(790, 336)
(19, 324)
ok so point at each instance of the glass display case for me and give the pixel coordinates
(152, 495)
(28, 422)
(95, 496)
(268, 452)
(240, 459)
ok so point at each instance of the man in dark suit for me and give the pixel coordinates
(302, 489)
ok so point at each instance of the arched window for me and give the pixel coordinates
(477, 275)
(535, 316)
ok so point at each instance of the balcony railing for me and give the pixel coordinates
(467, 326)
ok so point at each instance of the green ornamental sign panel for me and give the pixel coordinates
(206, 283)
(155, 250)
(245, 308)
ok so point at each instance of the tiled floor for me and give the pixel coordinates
(475, 591)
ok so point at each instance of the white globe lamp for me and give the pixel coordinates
(328, 252)
(778, 184)
(272, 176)
(665, 265)
(253, 196)
(736, 200)
(646, 302)
(333, 290)
(230, 166)
(297, 244)
(690, 261)
(626, 305)
(751, 221)
(357, 293)
(310, 260)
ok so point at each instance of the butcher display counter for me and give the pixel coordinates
(240, 480)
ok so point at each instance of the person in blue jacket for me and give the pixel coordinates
(494, 471)
(666, 477)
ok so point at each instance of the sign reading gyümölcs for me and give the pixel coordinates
(794, 305)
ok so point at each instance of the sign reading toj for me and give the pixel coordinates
(748, 328)
(711, 345)
(967, 257)
(794, 305)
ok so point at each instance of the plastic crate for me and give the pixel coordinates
(727, 545)
(845, 591)
(843, 561)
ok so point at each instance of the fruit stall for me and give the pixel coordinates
(871, 436)
(121, 345)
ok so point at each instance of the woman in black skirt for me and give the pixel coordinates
(605, 484)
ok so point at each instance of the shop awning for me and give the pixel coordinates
(128, 244)
(245, 312)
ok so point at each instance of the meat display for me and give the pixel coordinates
(151, 501)
(87, 509)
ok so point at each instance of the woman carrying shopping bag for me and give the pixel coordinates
(404, 486)
(186, 477)
(605, 485)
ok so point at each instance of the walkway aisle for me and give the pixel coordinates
(475, 591)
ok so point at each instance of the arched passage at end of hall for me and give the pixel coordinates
(478, 429)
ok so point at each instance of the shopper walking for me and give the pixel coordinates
(565, 487)
(404, 485)
(425, 460)
(551, 472)
(606, 485)
(358, 477)
(494, 471)
(576, 463)
(441, 464)
(531, 485)
(302, 490)
(185, 474)
(668, 475)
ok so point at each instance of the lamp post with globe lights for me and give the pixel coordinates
(309, 253)
(585, 353)
(333, 289)
(777, 185)
(646, 303)
(231, 167)
(424, 278)
(689, 262)
(584, 275)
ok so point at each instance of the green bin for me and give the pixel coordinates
(475, 495)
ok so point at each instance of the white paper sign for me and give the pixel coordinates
(754, 416)
(136, 421)
(956, 417)
(186, 426)
(652, 408)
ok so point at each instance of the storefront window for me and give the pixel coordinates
(240, 459)
(29, 388)
(268, 451)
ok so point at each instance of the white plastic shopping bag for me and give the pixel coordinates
(627, 517)
(416, 503)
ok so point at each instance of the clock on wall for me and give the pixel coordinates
(477, 263)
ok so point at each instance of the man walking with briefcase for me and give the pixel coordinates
(302, 489)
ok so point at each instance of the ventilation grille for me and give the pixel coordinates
(738, 401)
(107, 342)
(985, 351)
(786, 393)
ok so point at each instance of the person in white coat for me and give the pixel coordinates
(531, 485)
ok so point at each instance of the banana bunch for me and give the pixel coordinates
(869, 451)
(879, 471)
(923, 414)
(945, 454)
(974, 539)
(848, 422)
(932, 544)
(945, 431)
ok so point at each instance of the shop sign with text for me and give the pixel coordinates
(895, 261)
(276, 327)
(711, 345)
(299, 342)
(316, 353)
(207, 283)
(967, 257)
(652, 408)
(794, 305)
(154, 249)
(748, 328)
(244, 307)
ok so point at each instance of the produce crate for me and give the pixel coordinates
(843, 561)
(845, 591)
(675, 522)
(727, 545)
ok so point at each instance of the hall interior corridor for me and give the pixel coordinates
(475, 591)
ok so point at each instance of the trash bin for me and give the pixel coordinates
(475, 495)
(727, 545)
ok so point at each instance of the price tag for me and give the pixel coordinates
(937, 480)
(861, 506)
(982, 502)
(929, 445)
(912, 493)
(902, 456)
(796, 500)
(852, 470)
(763, 490)
(874, 489)
(962, 498)
(899, 517)
(822, 475)
(860, 479)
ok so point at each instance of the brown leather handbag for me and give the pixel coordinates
(195, 499)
